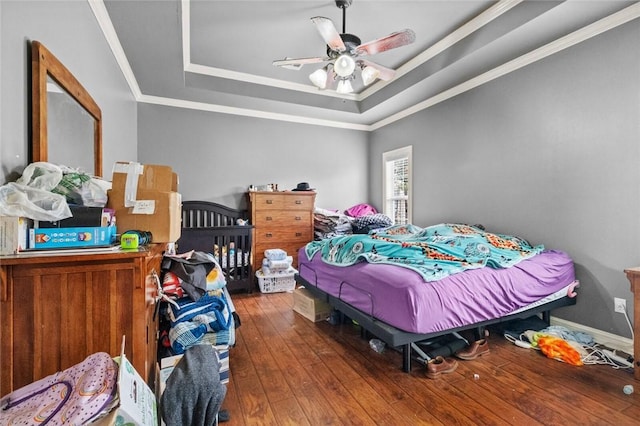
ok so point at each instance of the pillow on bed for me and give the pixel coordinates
(370, 222)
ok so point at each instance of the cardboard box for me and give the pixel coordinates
(130, 178)
(310, 307)
(52, 238)
(14, 234)
(138, 405)
(155, 211)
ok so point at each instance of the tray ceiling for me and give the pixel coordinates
(217, 55)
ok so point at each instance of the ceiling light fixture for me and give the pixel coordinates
(369, 75)
(344, 86)
(319, 78)
(343, 55)
(344, 66)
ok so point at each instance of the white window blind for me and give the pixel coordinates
(397, 184)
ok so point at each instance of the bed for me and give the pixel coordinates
(214, 228)
(401, 307)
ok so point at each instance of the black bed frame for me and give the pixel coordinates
(397, 338)
(206, 224)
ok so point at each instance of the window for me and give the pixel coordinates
(396, 166)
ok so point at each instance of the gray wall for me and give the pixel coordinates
(70, 31)
(217, 156)
(550, 153)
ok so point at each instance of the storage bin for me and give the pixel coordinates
(276, 283)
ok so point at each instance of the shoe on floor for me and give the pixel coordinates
(440, 365)
(474, 350)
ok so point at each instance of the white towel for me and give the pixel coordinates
(290, 270)
(275, 254)
(278, 264)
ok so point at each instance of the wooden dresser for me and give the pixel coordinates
(56, 309)
(282, 220)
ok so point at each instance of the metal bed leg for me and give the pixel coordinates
(479, 333)
(406, 358)
(546, 317)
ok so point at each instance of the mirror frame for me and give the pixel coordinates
(44, 64)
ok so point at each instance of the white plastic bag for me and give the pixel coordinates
(31, 197)
(41, 175)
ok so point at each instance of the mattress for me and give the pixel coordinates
(401, 298)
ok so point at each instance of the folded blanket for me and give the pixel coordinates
(275, 254)
(267, 271)
(278, 264)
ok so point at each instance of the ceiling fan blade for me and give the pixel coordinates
(386, 74)
(329, 33)
(397, 39)
(297, 63)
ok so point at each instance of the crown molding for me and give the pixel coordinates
(102, 16)
(223, 109)
(605, 24)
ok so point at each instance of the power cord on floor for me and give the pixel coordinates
(591, 354)
(626, 316)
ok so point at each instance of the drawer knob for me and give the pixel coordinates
(298, 218)
(268, 235)
(269, 218)
(269, 201)
(298, 201)
(298, 234)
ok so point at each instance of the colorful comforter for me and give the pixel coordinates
(434, 252)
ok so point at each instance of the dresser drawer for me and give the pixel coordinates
(277, 235)
(284, 218)
(276, 201)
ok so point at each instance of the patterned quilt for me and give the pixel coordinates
(434, 252)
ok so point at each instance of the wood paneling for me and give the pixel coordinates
(59, 309)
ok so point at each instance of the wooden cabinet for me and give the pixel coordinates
(282, 220)
(56, 309)
(633, 275)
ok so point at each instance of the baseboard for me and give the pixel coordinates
(610, 340)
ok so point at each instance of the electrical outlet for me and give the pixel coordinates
(620, 305)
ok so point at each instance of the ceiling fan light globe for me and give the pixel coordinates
(344, 86)
(319, 78)
(344, 65)
(369, 75)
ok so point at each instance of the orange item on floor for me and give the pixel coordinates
(560, 349)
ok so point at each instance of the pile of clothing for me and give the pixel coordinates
(330, 223)
(199, 309)
(277, 261)
(359, 219)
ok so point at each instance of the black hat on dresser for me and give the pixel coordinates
(303, 186)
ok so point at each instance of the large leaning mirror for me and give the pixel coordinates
(66, 121)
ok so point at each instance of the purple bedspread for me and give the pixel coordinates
(401, 298)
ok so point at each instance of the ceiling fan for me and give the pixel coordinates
(344, 52)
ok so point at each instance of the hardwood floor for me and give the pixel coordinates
(286, 370)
